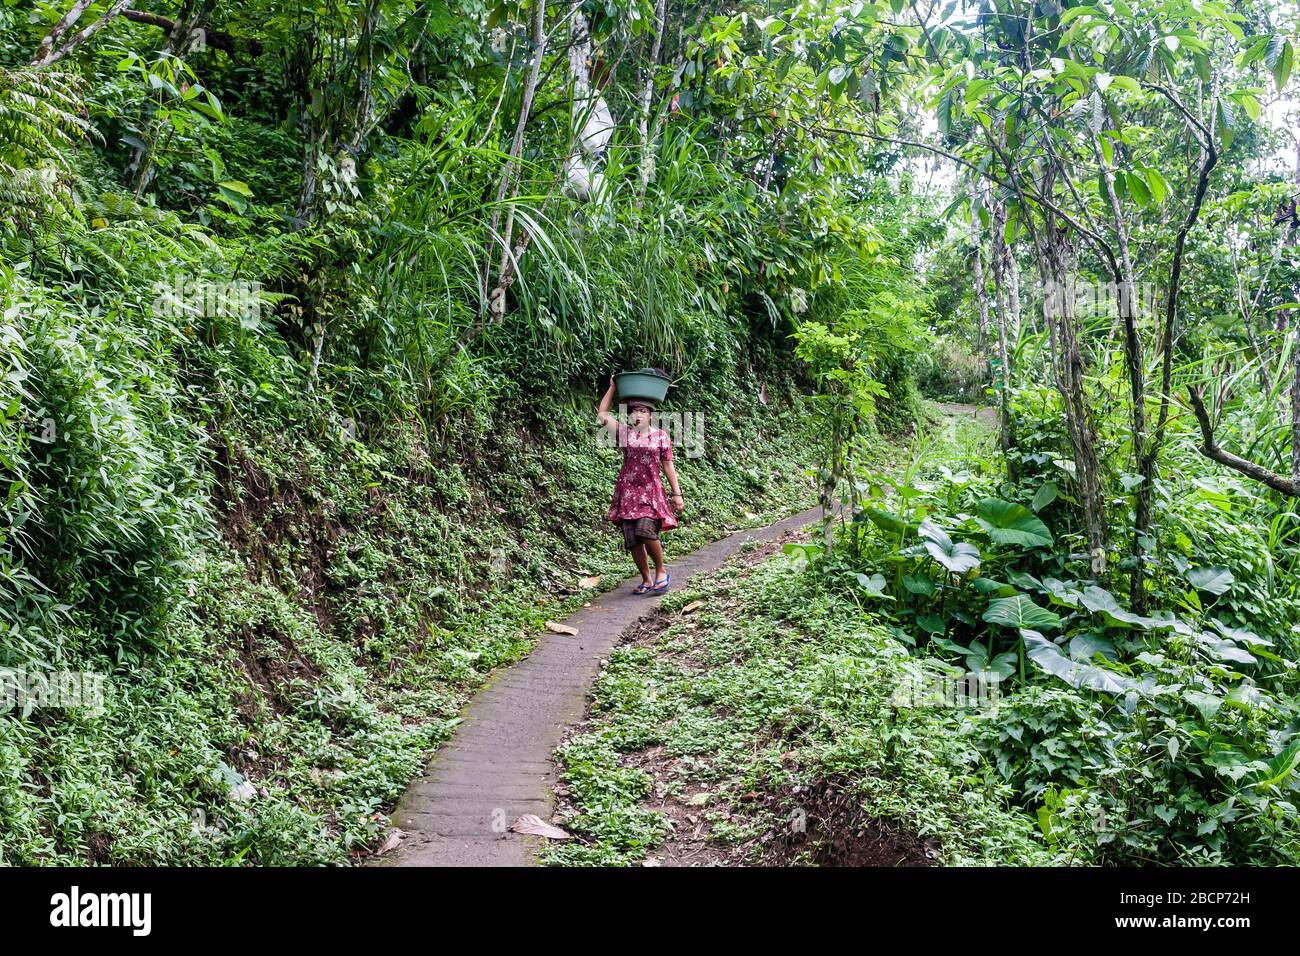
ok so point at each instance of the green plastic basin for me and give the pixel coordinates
(645, 384)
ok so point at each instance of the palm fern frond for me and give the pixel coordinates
(41, 117)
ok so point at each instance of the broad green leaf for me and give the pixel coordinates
(1010, 523)
(1003, 665)
(1075, 673)
(990, 586)
(1246, 697)
(1232, 764)
(930, 623)
(1047, 493)
(1213, 580)
(1060, 592)
(1159, 186)
(1281, 67)
(1225, 650)
(1280, 767)
(874, 585)
(803, 553)
(1227, 123)
(1020, 612)
(1083, 647)
(1241, 635)
(884, 520)
(1137, 188)
(1024, 581)
(236, 186)
(1207, 704)
(919, 584)
(958, 557)
(1100, 601)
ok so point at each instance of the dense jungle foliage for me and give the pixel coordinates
(307, 308)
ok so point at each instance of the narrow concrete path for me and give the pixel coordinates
(498, 766)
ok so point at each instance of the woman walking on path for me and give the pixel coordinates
(639, 507)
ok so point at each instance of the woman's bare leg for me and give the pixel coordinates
(642, 565)
(657, 555)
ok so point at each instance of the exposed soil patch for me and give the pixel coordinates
(824, 825)
(270, 666)
(691, 811)
(255, 515)
(99, 847)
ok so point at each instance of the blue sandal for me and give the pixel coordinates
(661, 588)
(641, 588)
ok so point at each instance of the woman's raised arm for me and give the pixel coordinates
(603, 415)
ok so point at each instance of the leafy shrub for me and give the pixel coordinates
(110, 502)
(1170, 736)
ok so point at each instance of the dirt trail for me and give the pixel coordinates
(499, 764)
(983, 412)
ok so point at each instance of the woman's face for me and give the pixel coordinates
(640, 415)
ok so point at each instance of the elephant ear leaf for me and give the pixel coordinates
(1212, 580)
(958, 557)
(873, 585)
(1075, 673)
(1019, 612)
(1010, 523)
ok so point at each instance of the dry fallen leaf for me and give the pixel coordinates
(555, 628)
(589, 582)
(394, 838)
(693, 606)
(532, 824)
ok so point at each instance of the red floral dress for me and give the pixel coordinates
(639, 491)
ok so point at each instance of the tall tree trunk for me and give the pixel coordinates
(646, 169)
(1125, 279)
(999, 259)
(509, 185)
(333, 138)
(981, 290)
(1013, 293)
(1069, 370)
(1209, 157)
